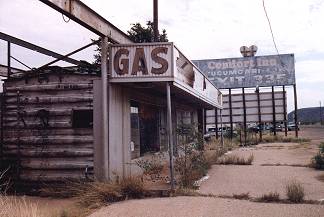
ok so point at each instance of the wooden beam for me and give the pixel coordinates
(88, 18)
(34, 47)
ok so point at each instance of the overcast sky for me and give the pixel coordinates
(201, 29)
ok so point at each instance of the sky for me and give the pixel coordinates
(201, 29)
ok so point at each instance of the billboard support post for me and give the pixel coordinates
(259, 112)
(230, 110)
(244, 115)
(296, 118)
(285, 111)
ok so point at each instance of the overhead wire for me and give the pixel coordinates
(272, 35)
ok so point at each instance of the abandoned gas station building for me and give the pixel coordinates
(93, 122)
(52, 119)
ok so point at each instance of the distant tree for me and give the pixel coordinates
(138, 34)
(142, 34)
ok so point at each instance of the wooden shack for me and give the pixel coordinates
(48, 125)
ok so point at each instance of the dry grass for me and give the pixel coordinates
(272, 139)
(320, 178)
(14, 207)
(236, 160)
(270, 197)
(295, 192)
(243, 196)
(95, 194)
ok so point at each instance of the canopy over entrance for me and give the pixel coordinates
(157, 63)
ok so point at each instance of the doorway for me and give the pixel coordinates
(144, 128)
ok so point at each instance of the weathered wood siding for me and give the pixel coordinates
(39, 136)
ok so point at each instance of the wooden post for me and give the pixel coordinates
(296, 117)
(169, 114)
(104, 80)
(285, 110)
(155, 20)
(216, 123)
(244, 116)
(273, 112)
(230, 110)
(259, 112)
(222, 135)
(9, 60)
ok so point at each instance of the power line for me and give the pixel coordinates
(273, 39)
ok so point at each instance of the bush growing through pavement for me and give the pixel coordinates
(153, 165)
(295, 191)
(236, 160)
(270, 197)
(317, 161)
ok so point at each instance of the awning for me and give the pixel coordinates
(159, 63)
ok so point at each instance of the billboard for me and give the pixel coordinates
(251, 103)
(262, 71)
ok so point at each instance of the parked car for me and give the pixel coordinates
(292, 126)
(277, 128)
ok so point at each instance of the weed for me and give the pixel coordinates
(317, 161)
(236, 160)
(154, 165)
(272, 139)
(321, 147)
(243, 196)
(295, 192)
(320, 178)
(270, 197)
(12, 206)
(191, 167)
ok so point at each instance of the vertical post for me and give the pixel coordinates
(296, 117)
(104, 80)
(155, 20)
(170, 134)
(216, 123)
(273, 112)
(230, 110)
(204, 122)
(221, 120)
(9, 58)
(259, 113)
(1, 123)
(321, 119)
(285, 108)
(18, 171)
(244, 116)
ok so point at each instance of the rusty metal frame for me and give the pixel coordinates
(69, 54)
(28, 45)
(88, 18)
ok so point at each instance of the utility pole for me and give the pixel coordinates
(155, 20)
(321, 115)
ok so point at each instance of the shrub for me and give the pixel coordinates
(154, 165)
(317, 161)
(270, 197)
(295, 192)
(236, 160)
(321, 147)
(132, 187)
(95, 194)
(190, 167)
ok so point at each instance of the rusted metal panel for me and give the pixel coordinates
(39, 134)
(85, 16)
